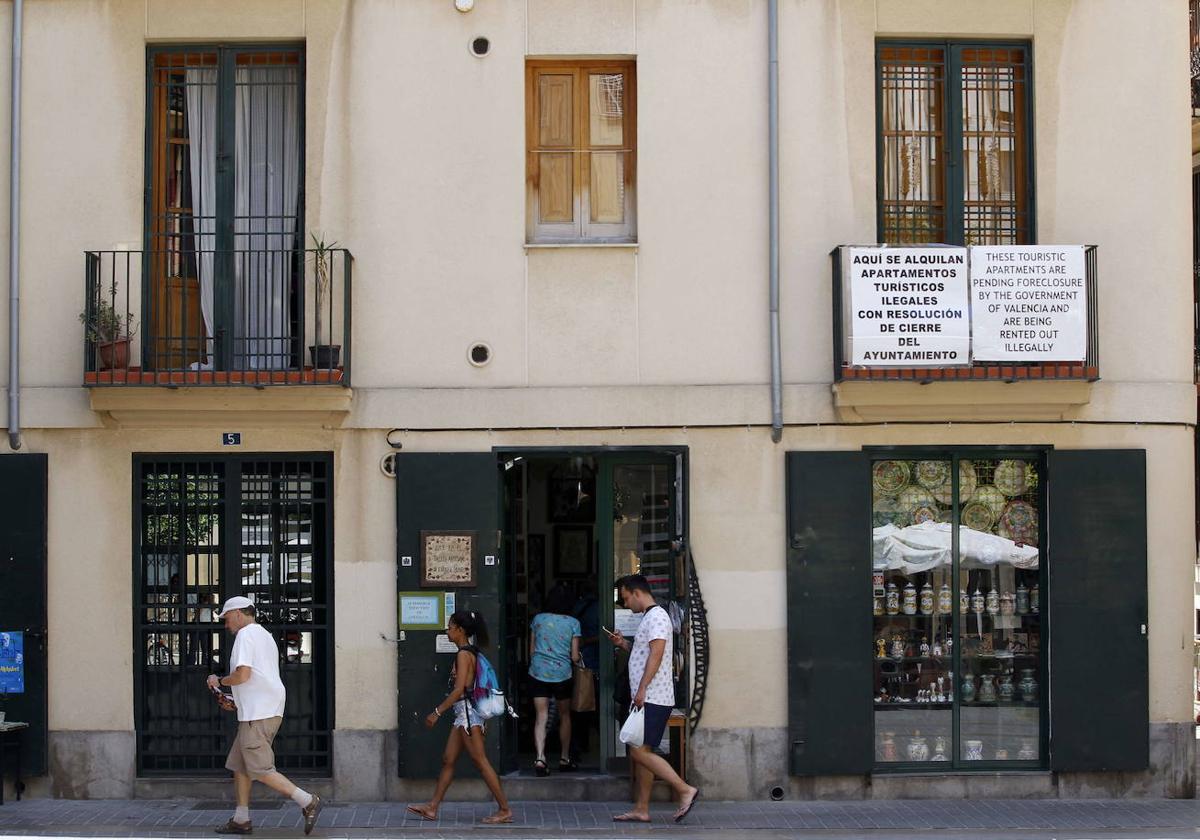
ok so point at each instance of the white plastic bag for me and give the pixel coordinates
(634, 730)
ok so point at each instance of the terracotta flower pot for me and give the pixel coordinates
(114, 355)
(325, 356)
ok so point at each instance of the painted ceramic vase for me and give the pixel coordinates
(977, 603)
(1028, 751)
(918, 750)
(910, 599)
(967, 690)
(897, 647)
(964, 602)
(1028, 686)
(987, 690)
(1005, 691)
(887, 747)
(939, 749)
(926, 600)
(993, 602)
(1022, 602)
(1007, 604)
(1033, 599)
(877, 606)
(892, 599)
(973, 751)
(945, 599)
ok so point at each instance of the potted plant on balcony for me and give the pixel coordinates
(110, 332)
(324, 356)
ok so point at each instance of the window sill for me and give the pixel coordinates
(550, 246)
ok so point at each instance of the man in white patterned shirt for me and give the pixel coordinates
(653, 690)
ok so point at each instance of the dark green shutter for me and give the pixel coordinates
(1096, 532)
(829, 613)
(23, 594)
(443, 492)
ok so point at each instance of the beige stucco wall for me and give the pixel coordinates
(415, 162)
(737, 515)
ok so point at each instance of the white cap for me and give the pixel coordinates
(237, 602)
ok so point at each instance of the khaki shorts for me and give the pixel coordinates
(251, 752)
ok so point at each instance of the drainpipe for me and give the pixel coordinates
(773, 143)
(14, 238)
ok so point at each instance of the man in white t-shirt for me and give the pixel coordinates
(258, 698)
(652, 687)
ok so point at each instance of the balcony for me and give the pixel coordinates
(1003, 332)
(184, 319)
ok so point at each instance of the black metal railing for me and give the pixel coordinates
(243, 317)
(1009, 371)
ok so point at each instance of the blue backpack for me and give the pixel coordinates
(485, 696)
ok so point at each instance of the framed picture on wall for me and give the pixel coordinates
(572, 550)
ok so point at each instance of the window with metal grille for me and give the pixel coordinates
(207, 528)
(954, 143)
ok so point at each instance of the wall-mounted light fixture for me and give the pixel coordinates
(464, 5)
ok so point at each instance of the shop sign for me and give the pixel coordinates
(447, 558)
(1029, 303)
(909, 307)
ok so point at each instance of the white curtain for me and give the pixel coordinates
(202, 131)
(267, 131)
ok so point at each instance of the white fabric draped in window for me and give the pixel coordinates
(266, 194)
(267, 131)
(202, 133)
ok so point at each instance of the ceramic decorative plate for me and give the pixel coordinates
(977, 516)
(988, 495)
(932, 474)
(1012, 478)
(1019, 523)
(888, 511)
(966, 485)
(925, 513)
(889, 476)
(912, 498)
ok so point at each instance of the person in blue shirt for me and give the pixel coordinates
(553, 650)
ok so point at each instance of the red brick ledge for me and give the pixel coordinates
(999, 373)
(137, 376)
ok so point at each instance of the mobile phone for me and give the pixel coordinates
(606, 630)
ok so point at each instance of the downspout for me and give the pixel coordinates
(14, 238)
(773, 144)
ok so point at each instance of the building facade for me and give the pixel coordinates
(377, 310)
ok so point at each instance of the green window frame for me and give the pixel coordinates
(955, 150)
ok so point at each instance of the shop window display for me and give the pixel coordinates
(958, 631)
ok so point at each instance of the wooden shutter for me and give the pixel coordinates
(829, 612)
(1099, 679)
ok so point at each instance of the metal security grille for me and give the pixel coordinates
(206, 529)
(954, 144)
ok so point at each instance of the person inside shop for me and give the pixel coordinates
(468, 729)
(653, 689)
(553, 650)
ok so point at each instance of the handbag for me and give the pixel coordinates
(633, 732)
(583, 694)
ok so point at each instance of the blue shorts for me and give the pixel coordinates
(655, 722)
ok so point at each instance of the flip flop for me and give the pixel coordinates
(495, 820)
(413, 809)
(684, 810)
(628, 817)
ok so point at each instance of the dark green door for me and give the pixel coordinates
(443, 492)
(23, 600)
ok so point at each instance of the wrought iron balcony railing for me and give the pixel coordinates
(194, 318)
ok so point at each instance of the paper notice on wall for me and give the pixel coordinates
(908, 307)
(626, 622)
(442, 644)
(1029, 303)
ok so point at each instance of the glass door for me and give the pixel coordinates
(957, 575)
(639, 532)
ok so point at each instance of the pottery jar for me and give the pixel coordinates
(977, 602)
(945, 599)
(910, 599)
(993, 602)
(1022, 600)
(967, 690)
(918, 750)
(926, 600)
(973, 751)
(1028, 686)
(892, 599)
(987, 689)
(1005, 691)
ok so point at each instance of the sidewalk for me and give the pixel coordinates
(712, 820)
